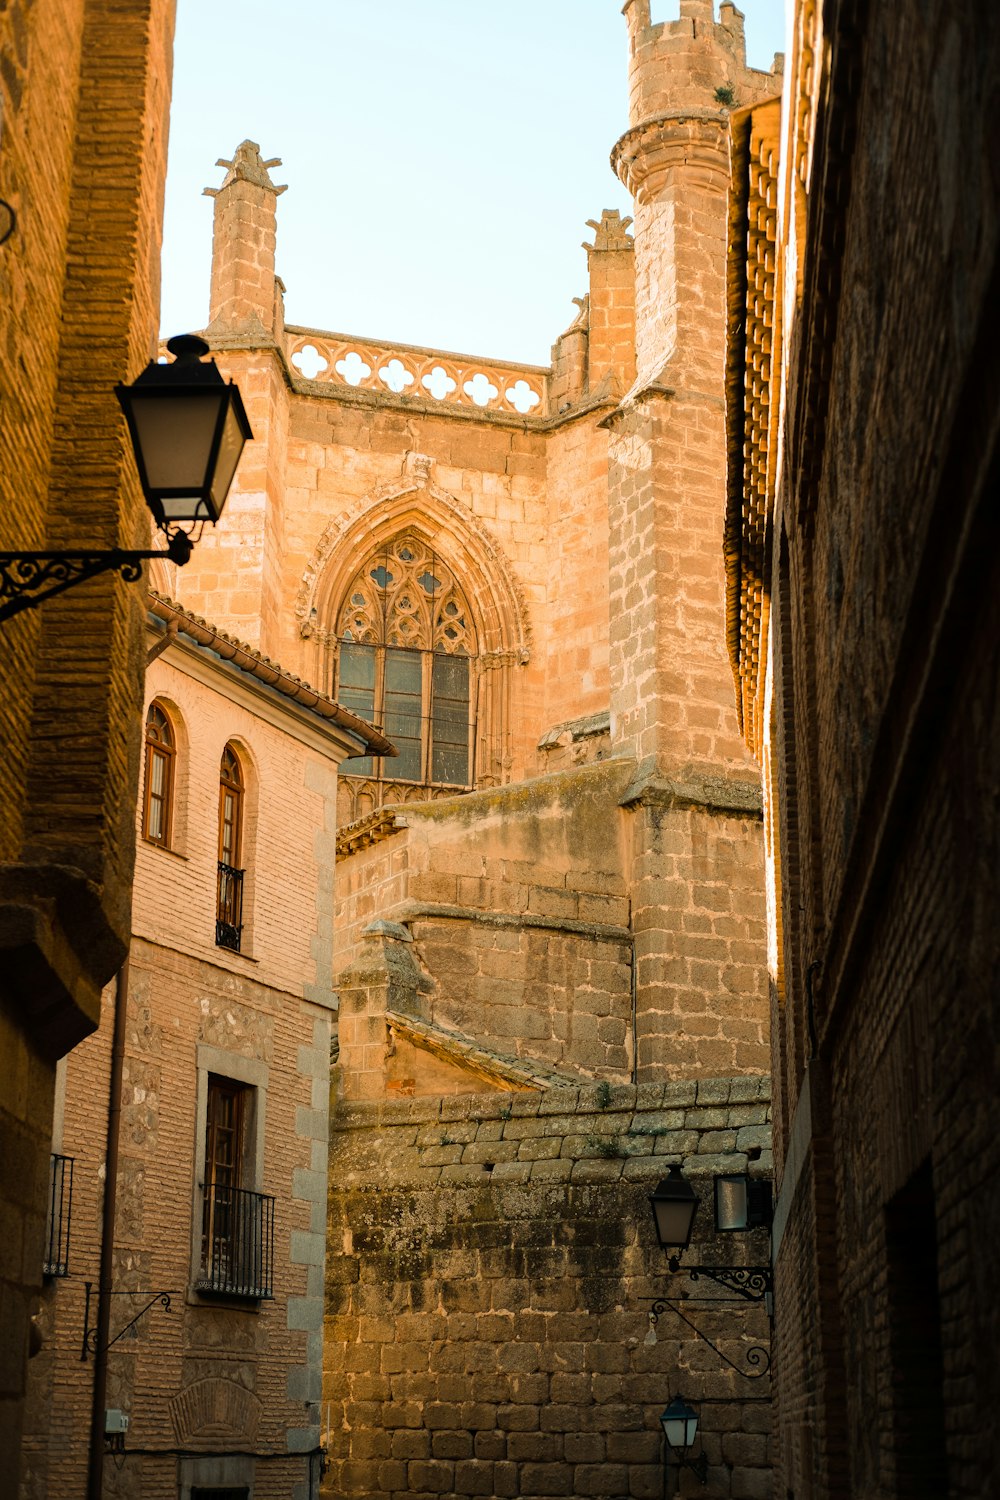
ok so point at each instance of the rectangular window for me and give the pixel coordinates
(403, 719)
(156, 821)
(237, 1241)
(56, 1262)
(356, 693)
(450, 720)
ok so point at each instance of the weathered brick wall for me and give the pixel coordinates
(888, 747)
(492, 1267)
(84, 91)
(175, 1003)
(269, 1006)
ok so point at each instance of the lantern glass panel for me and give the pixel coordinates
(673, 1220)
(175, 434)
(680, 1425)
(230, 448)
(731, 1207)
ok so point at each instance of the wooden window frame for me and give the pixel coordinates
(235, 785)
(162, 748)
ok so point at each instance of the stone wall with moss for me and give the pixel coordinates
(491, 1268)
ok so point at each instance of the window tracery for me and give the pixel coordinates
(406, 660)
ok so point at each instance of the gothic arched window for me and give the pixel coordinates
(406, 651)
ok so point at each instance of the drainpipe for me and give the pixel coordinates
(634, 999)
(95, 1469)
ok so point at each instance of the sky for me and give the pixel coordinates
(442, 157)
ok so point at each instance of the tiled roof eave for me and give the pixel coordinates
(247, 659)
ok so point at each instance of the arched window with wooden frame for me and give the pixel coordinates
(158, 781)
(229, 912)
(407, 660)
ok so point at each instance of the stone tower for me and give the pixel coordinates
(696, 862)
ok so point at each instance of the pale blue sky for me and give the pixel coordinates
(442, 157)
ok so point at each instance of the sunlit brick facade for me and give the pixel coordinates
(84, 96)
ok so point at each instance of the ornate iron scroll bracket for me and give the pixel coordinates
(29, 578)
(88, 1344)
(755, 1283)
(757, 1357)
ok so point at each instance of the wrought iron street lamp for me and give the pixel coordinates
(188, 428)
(680, 1425)
(674, 1205)
(741, 1202)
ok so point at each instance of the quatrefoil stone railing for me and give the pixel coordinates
(425, 374)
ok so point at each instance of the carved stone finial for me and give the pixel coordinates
(609, 231)
(247, 166)
(582, 319)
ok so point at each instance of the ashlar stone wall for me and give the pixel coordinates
(527, 932)
(491, 1269)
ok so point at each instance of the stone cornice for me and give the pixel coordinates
(417, 911)
(694, 140)
(727, 795)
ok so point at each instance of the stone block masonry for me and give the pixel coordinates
(491, 1268)
(529, 939)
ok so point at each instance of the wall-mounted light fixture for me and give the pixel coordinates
(680, 1426)
(742, 1202)
(188, 429)
(675, 1203)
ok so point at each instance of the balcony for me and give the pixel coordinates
(237, 1243)
(56, 1261)
(229, 908)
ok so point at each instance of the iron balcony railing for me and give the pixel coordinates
(229, 908)
(237, 1243)
(56, 1262)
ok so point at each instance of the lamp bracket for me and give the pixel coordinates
(755, 1283)
(29, 578)
(756, 1356)
(698, 1466)
(89, 1342)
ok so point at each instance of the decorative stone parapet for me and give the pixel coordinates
(432, 375)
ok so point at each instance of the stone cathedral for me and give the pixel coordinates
(549, 905)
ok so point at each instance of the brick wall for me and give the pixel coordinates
(177, 1003)
(84, 91)
(885, 745)
(205, 1375)
(287, 845)
(492, 1268)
